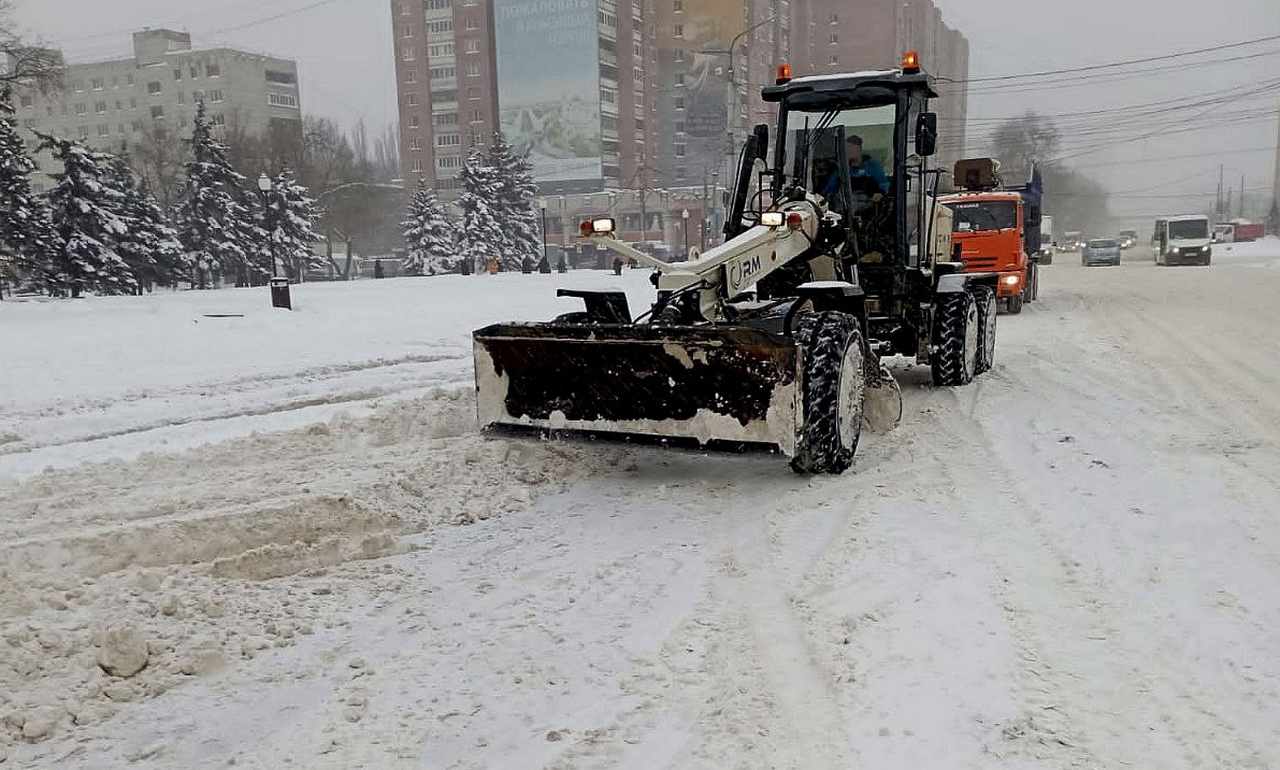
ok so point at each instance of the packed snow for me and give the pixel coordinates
(244, 551)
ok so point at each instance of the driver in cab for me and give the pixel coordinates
(865, 172)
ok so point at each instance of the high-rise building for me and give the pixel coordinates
(713, 58)
(113, 103)
(446, 81)
(568, 81)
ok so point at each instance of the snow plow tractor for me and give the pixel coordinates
(836, 255)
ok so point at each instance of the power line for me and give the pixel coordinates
(1112, 65)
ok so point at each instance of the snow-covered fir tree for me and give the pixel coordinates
(429, 234)
(149, 245)
(83, 206)
(289, 223)
(214, 223)
(517, 200)
(482, 236)
(25, 229)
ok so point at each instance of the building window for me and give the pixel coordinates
(213, 70)
(128, 79)
(834, 60)
(438, 5)
(835, 37)
(133, 103)
(415, 121)
(677, 30)
(477, 116)
(197, 96)
(182, 97)
(679, 102)
(835, 18)
(404, 9)
(417, 166)
(283, 100)
(97, 84)
(440, 49)
(473, 93)
(84, 132)
(443, 73)
(104, 129)
(473, 45)
(440, 27)
(219, 120)
(407, 53)
(412, 100)
(472, 23)
(679, 54)
(100, 108)
(411, 76)
(282, 78)
(608, 96)
(81, 109)
(677, 5)
(153, 87)
(473, 69)
(449, 161)
(177, 73)
(215, 95)
(679, 80)
(679, 127)
(157, 112)
(408, 32)
(448, 140)
(194, 71)
(415, 144)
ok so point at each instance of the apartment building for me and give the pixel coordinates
(110, 104)
(446, 83)
(568, 81)
(709, 97)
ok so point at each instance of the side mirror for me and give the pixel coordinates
(927, 134)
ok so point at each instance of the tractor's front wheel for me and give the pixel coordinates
(986, 300)
(955, 340)
(834, 392)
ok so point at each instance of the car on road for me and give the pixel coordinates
(1128, 239)
(1100, 251)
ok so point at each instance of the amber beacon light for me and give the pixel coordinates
(910, 63)
(784, 74)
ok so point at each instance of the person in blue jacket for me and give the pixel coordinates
(864, 171)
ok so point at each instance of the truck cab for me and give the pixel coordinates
(989, 228)
(1184, 240)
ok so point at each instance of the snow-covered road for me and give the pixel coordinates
(1071, 563)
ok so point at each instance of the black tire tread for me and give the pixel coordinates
(986, 300)
(947, 361)
(824, 338)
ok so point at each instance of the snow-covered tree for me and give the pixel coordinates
(482, 235)
(214, 223)
(25, 229)
(289, 222)
(429, 233)
(83, 206)
(517, 201)
(150, 246)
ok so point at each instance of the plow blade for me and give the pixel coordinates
(723, 384)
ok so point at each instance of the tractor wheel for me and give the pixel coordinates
(955, 340)
(986, 300)
(834, 392)
(1015, 304)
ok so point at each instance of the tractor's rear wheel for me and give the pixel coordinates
(986, 301)
(834, 392)
(955, 340)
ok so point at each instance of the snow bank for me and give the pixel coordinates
(119, 376)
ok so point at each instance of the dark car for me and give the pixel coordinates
(1100, 251)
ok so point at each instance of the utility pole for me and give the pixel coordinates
(1242, 196)
(1217, 214)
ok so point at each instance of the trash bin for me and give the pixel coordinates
(280, 293)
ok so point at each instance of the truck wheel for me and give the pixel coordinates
(1015, 304)
(955, 340)
(986, 301)
(834, 392)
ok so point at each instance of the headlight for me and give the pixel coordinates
(773, 219)
(1011, 280)
(602, 225)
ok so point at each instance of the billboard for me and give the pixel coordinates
(708, 28)
(549, 88)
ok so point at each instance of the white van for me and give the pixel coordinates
(1184, 240)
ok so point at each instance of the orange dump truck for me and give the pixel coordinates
(993, 230)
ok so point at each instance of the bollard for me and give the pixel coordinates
(280, 293)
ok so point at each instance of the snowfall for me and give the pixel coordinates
(234, 536)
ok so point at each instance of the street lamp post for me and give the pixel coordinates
(542, 204)
(684, 214)
(279, 286)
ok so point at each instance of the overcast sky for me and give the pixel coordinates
(343, 50)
